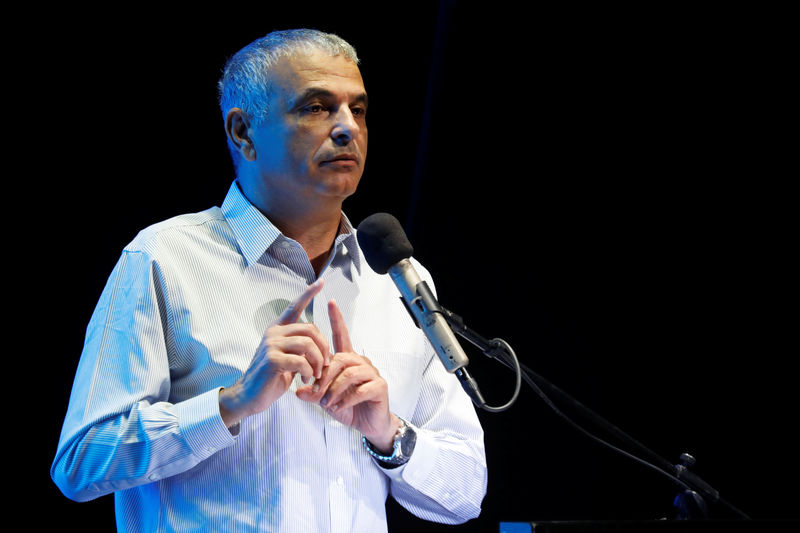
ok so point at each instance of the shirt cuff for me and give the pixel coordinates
(202, 425)
(420, 464)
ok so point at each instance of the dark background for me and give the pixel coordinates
(604, 189)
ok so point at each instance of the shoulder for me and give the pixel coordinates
(179, 231)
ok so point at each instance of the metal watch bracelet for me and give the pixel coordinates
(404, 441)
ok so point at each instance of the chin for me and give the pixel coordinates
(341, 185)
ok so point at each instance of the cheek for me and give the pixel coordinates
(274, 147)
(307, 142)
(303, 154)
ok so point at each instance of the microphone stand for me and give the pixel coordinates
(694, 494)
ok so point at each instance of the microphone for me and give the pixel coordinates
(387, 250)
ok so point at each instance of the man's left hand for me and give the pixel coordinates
(352, 390)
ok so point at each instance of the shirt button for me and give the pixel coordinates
(340, 481)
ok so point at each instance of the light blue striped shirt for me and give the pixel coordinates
(180, 317)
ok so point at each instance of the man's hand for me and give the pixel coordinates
(352, 390)
(288, 347)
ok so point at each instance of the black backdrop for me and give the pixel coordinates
(602, 189)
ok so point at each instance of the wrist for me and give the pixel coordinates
(383, 441)
(230, 406)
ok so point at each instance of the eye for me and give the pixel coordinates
(358, 111)
(315, 109)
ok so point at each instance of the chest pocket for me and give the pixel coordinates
(383, 331)
(403, 372)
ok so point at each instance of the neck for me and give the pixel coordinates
(315, 234)
(313, 225)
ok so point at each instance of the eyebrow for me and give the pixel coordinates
(317, 92)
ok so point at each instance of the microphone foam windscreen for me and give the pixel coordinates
(383, 242)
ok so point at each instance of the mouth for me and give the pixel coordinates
(342, 160)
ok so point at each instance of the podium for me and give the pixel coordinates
(652, 526)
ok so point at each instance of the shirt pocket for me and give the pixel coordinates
(403, 372)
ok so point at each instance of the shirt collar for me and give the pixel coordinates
(347, 236)
(255, 233)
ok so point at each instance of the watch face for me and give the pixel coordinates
(408, 438)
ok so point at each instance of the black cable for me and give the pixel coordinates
(518, 371)
(664, 470)
(500, 350)
(529, 380)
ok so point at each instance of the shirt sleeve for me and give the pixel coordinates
(120, 430)
(446, 477)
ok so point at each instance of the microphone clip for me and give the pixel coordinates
(428, 306)
(425, 302)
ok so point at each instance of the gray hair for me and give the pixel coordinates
(245, 80)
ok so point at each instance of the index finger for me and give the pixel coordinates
(341, 338)
(296, 308)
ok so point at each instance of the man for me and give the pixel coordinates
(207, 402)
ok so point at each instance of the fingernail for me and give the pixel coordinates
(315, 388)
(324, 401)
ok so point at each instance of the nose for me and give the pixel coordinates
(345, 128)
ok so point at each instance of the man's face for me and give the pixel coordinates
(314, 138)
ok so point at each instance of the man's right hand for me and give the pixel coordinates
(288, 347)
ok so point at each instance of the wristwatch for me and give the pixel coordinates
(404, 441)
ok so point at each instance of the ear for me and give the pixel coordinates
(237, 127)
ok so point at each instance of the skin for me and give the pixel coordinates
(298, 166)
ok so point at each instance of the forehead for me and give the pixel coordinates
(296, 73)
